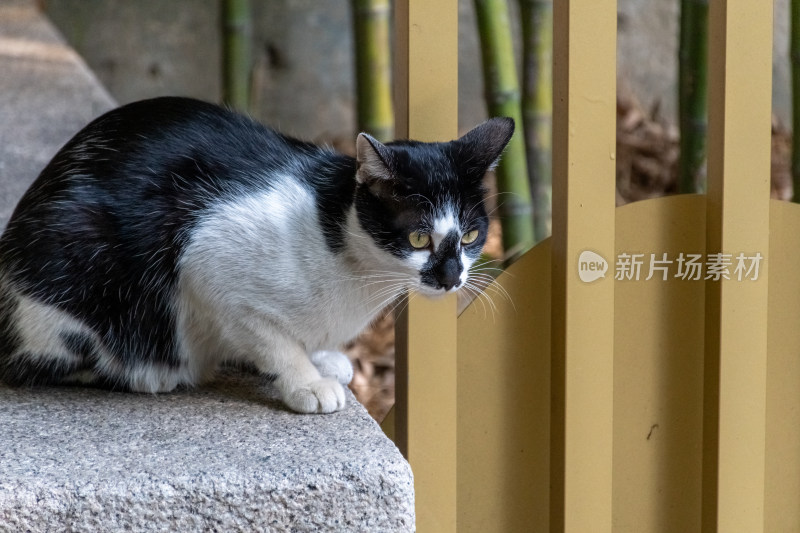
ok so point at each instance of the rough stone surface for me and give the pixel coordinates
(226, 457)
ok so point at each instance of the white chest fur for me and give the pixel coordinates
(264, 258)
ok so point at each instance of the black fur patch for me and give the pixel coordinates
(443, 268)
(23, 371)
(83, 346)
(9, 342)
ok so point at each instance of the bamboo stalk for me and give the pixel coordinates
(503, 99)
(236, 56)
(537, 107)
(794, 51)
(373, 68)
(692, 92)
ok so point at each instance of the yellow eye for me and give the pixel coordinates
(419, 240)
(469, 237)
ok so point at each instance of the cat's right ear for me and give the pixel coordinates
(374, 160)
(485, 143)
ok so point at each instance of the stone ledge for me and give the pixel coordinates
(224, 457)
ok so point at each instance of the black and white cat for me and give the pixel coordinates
(171, 235)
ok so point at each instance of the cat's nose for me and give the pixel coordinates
(447, 286)
(448, 274)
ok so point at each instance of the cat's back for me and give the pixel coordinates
(173, 139)
(147, 171)
(94, 245)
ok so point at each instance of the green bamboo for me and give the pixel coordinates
(794, 52)
(236, 56)
(537, 106)
(692, 92)
(373, 68)
(503, 99)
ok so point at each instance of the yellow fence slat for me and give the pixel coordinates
(584, 112)
(740, 59)
(504, 402)
(658, 368)
(426, 108)
(782, 476)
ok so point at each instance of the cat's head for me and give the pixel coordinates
(423, 203)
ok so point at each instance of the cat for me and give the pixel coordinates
(172, 235)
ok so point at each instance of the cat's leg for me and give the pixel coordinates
(239, 333)
(300, 384)
(333, 364)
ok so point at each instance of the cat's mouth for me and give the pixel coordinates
(438, 292)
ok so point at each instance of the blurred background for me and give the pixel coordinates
(303, 58)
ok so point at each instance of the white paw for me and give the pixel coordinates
(333, 364)
(325, 395)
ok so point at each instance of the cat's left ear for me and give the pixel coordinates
(374, 160)
(482, 146)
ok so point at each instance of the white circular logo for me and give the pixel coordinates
(591, 266)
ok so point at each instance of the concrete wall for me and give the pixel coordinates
(302, 53)
(303, 56)
(145, 48)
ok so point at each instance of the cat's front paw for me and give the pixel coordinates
(325, 395)
(332, 364)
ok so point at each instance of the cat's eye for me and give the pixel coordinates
(419, 240)
(469, 237)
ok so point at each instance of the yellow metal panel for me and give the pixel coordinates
(426, 107)
(426, 69)
(504, 402)
(584, 76)
(388, 425)
(658, 369)
(782, 480)
(426, 407)
(740, 58)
